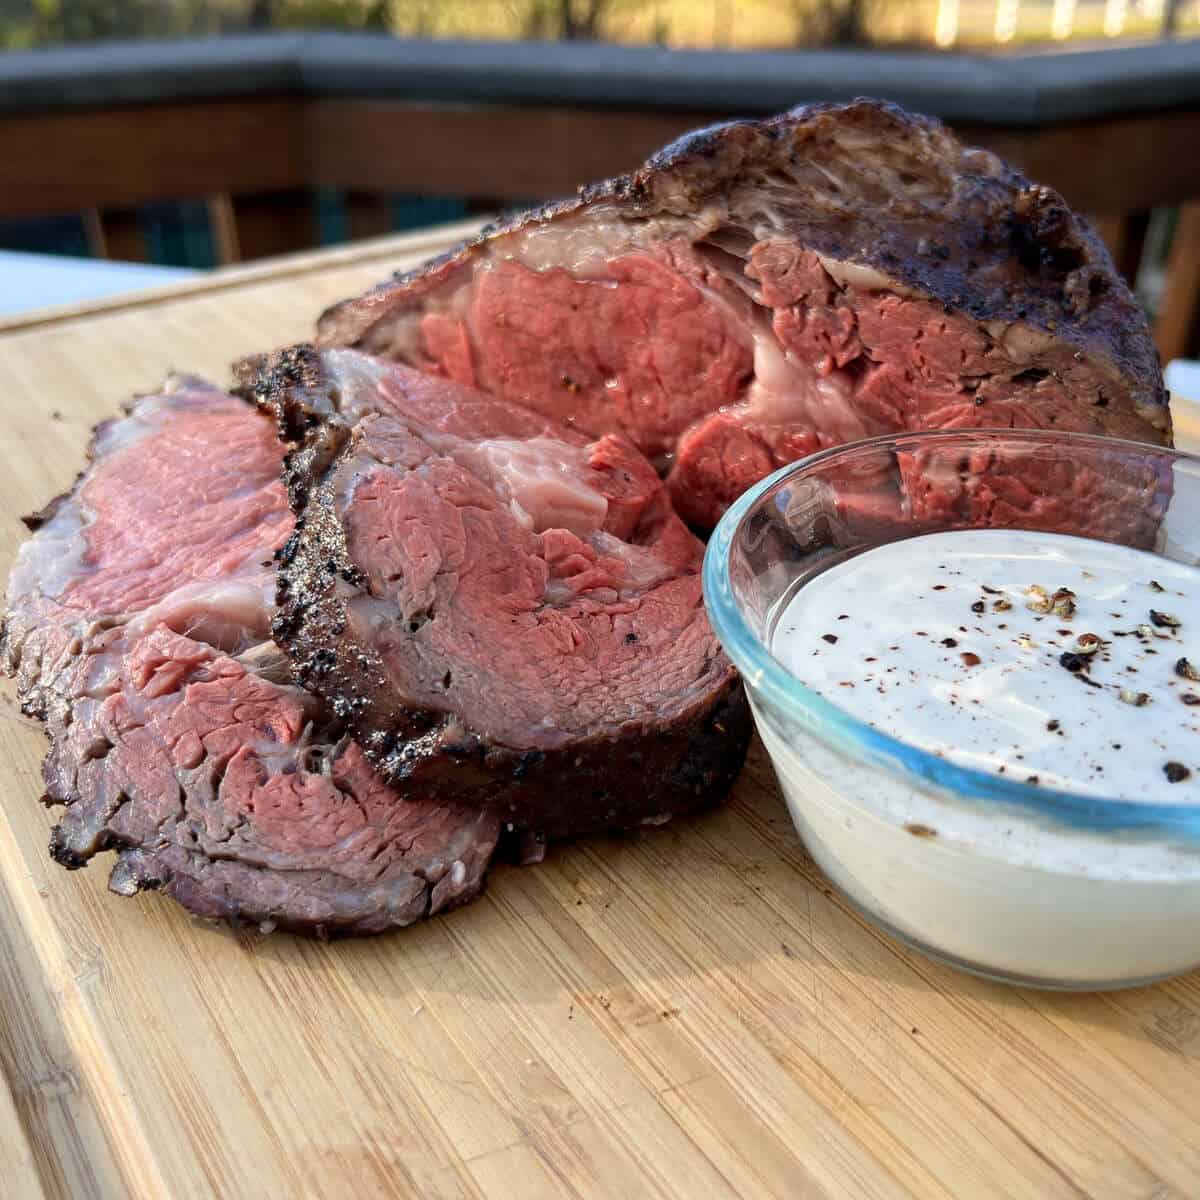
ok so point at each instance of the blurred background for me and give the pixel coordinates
(183, 135)
(710, 24)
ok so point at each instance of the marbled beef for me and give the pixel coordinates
(138, 628)
(763, 289)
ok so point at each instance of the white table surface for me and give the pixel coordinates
(1183, 379)
(29, 281)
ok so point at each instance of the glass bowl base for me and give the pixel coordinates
(995, 975)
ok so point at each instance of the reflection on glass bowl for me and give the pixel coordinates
(1058, 884)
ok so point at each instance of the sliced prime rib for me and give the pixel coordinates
(138, 628)
(763, 289)
(504, 610)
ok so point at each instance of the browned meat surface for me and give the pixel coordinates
(504, 610)
(764, 289)
(138, 628)
(481, 576)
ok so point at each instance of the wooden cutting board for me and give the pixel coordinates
(687, 1012)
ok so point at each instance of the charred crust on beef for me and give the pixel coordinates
(683, 761)
(63, 854)
(294, 372)
(34, 521)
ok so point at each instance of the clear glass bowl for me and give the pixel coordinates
(977, 908)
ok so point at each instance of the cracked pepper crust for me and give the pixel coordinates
(647, 771)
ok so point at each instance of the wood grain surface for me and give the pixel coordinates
(687, 1012)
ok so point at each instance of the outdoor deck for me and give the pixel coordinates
(253, 125)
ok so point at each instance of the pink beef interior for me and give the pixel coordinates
(533, 582)
(765, 290)
(138, 628)
(725, 379)
(207, 517)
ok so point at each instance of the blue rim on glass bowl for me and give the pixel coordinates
(774, 687)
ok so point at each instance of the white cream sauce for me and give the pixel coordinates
(937, 641)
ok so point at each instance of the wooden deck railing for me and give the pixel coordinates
(255, 124)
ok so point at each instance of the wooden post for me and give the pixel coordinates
(274, 223)
(223, 223)
(93, 230)
(1176, 327)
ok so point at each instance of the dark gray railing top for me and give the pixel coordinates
(1015, 90)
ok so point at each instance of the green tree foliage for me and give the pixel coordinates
(319, 14)
(90, 20)
(804, 22)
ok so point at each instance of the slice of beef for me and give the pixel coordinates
(138, 628)
(504, 611)
(763, 289)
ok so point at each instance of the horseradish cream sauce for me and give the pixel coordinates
(956, 643)
(1054, 661)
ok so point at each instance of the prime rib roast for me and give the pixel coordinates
(763, 289)
(138, 628)
(319, 692)
(505, 611)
